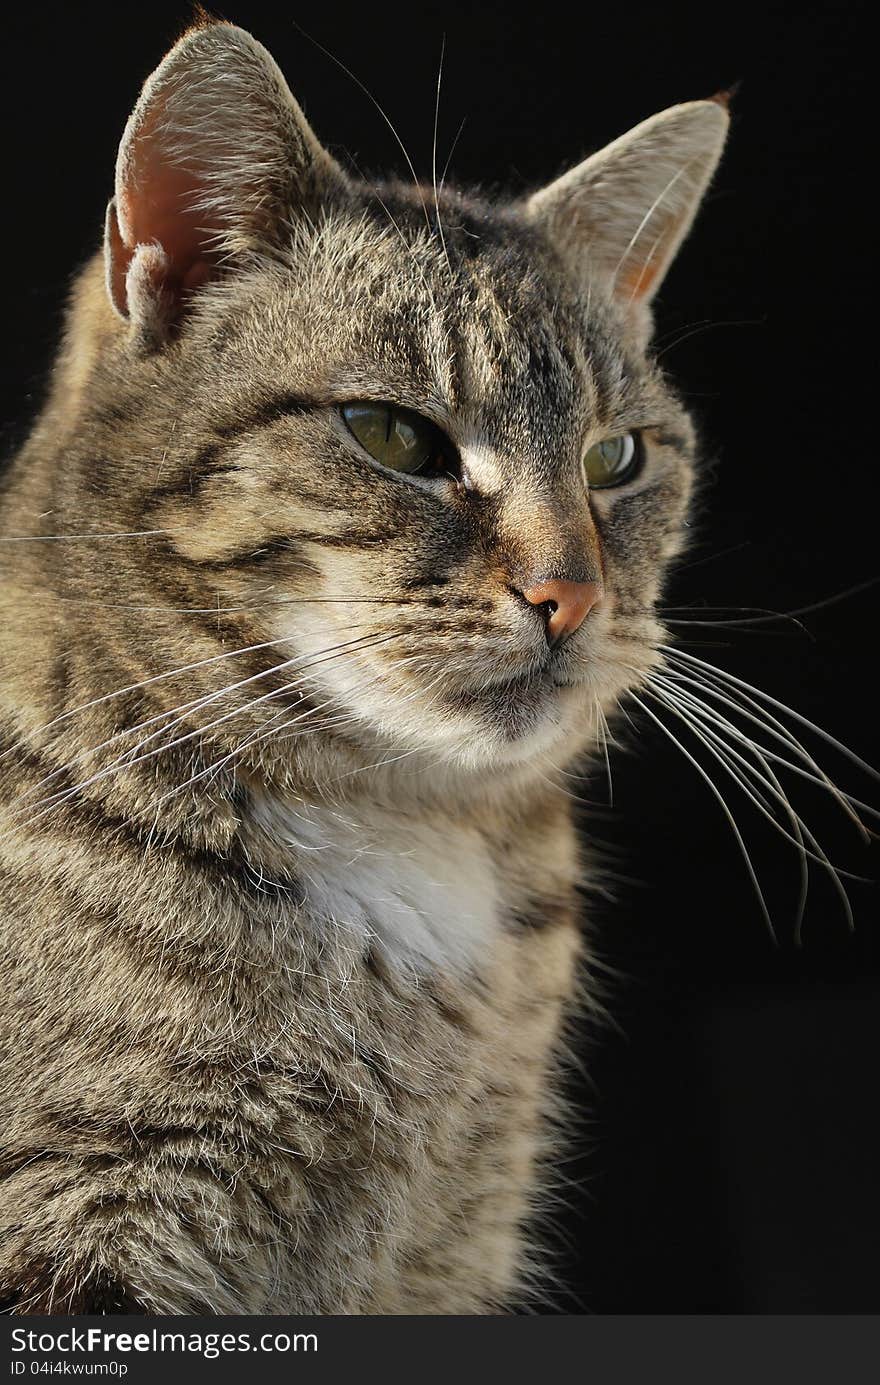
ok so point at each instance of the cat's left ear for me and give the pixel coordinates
(622, 214)
(214, 157)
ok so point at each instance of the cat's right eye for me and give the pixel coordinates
(613, 461)
(398, 438)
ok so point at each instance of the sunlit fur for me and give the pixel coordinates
(287, 871)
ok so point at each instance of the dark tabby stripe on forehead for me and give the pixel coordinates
(212, 458)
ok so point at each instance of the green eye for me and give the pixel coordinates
(397, 438)
(613, 461)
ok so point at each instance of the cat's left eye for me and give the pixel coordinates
(398, 438)
(613, 461)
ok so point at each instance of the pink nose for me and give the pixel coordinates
(566, 604)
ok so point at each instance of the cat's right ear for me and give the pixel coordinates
(214, 157)
(620, 216)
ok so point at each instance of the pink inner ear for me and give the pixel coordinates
(635, 281)
(156, 203)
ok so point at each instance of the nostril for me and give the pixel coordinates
(564, 605)
(531, 598)
(547, 608)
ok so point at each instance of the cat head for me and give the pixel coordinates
(405, 444)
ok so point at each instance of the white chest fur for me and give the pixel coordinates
(423, 888)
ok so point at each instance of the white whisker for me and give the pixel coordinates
(91, 538)
(647, 217)
(194, 704)
(735, 699)
(782, 707)
(434, 157)
(602, 735)
(126, 761)
(725, 755)
(370, 97)
(716, 792)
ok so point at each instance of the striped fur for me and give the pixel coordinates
(287, 870)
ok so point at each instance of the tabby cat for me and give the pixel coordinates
(337, 540)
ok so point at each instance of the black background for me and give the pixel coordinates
(730, 1155)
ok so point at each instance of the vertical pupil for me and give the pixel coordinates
(396, 437)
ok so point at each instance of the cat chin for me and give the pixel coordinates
(556, 725)
(502, 729)
(548, 720)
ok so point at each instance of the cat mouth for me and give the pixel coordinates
(531, 691)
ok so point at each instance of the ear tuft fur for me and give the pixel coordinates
(202, 18)
(141, 287)
(726, 97)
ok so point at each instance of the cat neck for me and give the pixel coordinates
(423, 886)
